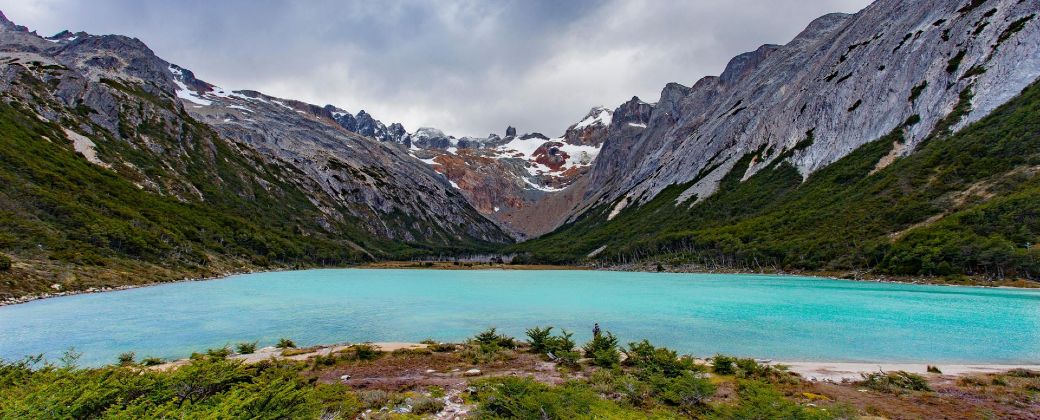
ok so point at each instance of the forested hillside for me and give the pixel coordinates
(966, 203)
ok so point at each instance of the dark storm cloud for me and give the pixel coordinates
(469, 67)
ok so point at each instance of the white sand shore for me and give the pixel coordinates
(272, 352)
(830, 371)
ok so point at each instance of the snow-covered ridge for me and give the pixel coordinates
(599, 115)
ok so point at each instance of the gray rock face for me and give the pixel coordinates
(849, 78)
(361, 173)
(591, 130)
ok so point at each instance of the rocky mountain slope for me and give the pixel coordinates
(844, 81)
(118, 166)
(834, 152)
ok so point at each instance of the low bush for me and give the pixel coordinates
(542, 341)
(220, 353)
(895, 382)
(652, 360)
(127, 359)
(723, 365)
(442, 347)
(603, 350)
(246, 348)
(152, 361)
(363, 351)
(688, 391)
(933, 369)
(760, 400)
(5, 263)
(374, 398)
(1023, 373)
(427, 405)
(285, 343)
(525, 398)
(491, 336)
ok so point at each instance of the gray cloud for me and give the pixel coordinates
(468, 67)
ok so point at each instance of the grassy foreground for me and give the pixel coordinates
(492, 376)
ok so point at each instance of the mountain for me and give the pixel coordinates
(875, 141)
(898, 140)
(118, 166)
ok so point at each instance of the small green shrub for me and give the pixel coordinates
(603, 350)
(491, 336)
(1023, 373)
(652, 360)
(220, 353)
(538, 338)
(933, 369)
(688, 391)
(285, 343)
(246, 347)
(374, 398)
(760, 400)
(895, 382)
(436, 391)
(5, 263)
(364, 351)
(560, 346)
(152, 361)
(127, 359)
(442, 347)
(723, 365)
(426, 405)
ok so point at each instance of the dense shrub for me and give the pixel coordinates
(5, 262)
(491, 336)
(652, 360)
(525, 398)
(542, 341)
(689, 391)
(895, 382)
(723, 365)
(759, 400)
(285, 343)
(427, 405)
(246, 347)
(603, 350)
(126, 359)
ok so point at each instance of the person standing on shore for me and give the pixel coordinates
(595, 330)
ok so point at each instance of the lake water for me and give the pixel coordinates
(784, 318)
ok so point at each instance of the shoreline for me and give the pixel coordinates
(442, 265)
(826, 275)
(814, 371)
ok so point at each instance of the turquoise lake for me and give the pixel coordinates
(777, 317)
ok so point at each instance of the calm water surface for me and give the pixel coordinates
(786, 318)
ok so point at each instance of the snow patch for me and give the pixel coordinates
(637, 125)
(541, 187)
(604, 117)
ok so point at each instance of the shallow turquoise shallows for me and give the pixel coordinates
(784, 318)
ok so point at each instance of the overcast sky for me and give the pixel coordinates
(468, 67)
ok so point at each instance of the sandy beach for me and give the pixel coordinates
(839, 371)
